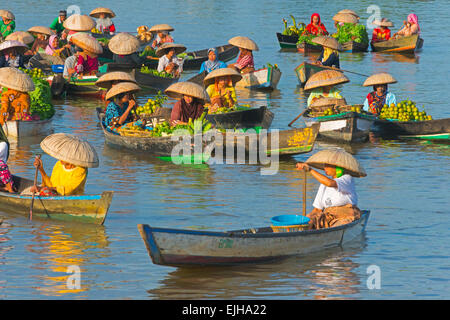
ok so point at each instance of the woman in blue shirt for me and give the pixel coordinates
(212, 63)
(380, 96)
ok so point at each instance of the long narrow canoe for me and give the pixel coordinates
(176, 247)
(287, 42)
(404, 44)
(308, 47)
(305, 70)
(353, 46)
(429, 130)
(85, 87)
(85, 208)
(20, 129)
(262, 79)
(195, 59)
(247, 118)
(346, 127)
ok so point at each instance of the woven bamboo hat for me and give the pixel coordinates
(161, 27)
(244, 42)
(348, 11)
(87, 42)
(107, 12)
(19, 46)
(106, 80)
(325, 78)
(123, 87)
(223, 72)
(327, 41)
(166, 47)
(379, 78)
(339, 158)
(71, 149)
(383, 23)
(123, 44)
(16, 79)
(178, 89)
(21, 36)
(346, 18)
(7, 15)
(78, 22)
(41, 29)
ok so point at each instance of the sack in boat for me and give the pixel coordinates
(334, 216)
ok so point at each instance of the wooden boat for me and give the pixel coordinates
(308, 47)
(262, 79)
(85, 208)
(20, 129)
(347, 126)
(404, 44)
(429, 130)
(194, 59)
(191, 247)
(85, 87)
(246, 118)
(353, 46)
(198, 78)
(305, 70)
(287, 42)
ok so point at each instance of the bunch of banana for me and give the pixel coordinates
(143, 34)
(200, 125)
(295, 29)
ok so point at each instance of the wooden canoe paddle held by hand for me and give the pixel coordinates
(34, 190)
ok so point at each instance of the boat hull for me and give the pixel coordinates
(18, 129)
(287, 42)
(308, 48)
(262, 79)
(305, 70)
(404, 45)
(189, 247)
(353, 46)
(255, 117)
(431, 130)
(85, 88)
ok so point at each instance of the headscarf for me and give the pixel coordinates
(191, 110)
(377, 102)
(327, 52)
(413, 19)
(311, 28)
(3, 138)
(103, 24)
(50, 50)
(212, 65)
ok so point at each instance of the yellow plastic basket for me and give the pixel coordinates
(293, 228)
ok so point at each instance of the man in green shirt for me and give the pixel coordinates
(57, 24)
(7, 27)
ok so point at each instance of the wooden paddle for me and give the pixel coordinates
(290, 124)
(32, 198)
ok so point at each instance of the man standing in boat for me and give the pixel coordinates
(57, 24)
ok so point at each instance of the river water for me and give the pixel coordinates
(406, 189)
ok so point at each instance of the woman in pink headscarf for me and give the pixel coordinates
(410, 28)
(52, 47)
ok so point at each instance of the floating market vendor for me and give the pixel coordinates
(162, 35)
(124, 47)
(7, 23)
(58, 23)
(15, 101)
(11, 54)
(87, 63)
(329, 57)
(168, 60)
(212, 63)
(316, 27)
(245, 62)
(336, 202)
(382, 33)
(104, 23)
(191, 99)
(69, 174)
(42, 36)
(380, 96)
(122, 102)
(53, 49)
(322, 85)
(110, 79)
(6, 181)
(219, 85)
(77, 23)
(340, 19)
(410, 27)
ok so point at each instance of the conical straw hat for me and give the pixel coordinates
(123, 87)
(339, 158)
(223, 72)
(108, 12)
(71, 149)
(383, 23)
(166, 47)
(350, 12)
(20, 46)
(325, 78)
(329, 42)
(178, 89)
(244, 42)
(161, 27)
(346, 18)
(16, 79)
(41, 29)
(21, 36)
(123, 44)
(7, 14)
(87, 42)
(78, 22)
(106, 80)
(379, 78)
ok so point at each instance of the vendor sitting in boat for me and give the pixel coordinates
(322, 85)
(69, 174)
(104, 23)
(11, 54)
(382, 33)
(87, 63)
(168, 60)
(213, 63)
(15, 100)
(122, 102)
(316, 27)
(162, 35)
(42, 35)
(219, 85)
(410, 27)
(380, 96)
(191, 99)
(245, 62)
(6, 181)
(329, 57)
(53, 49)
(7, 23)
(336, 201)
(124, 47)
(58, 23)
(110, 79)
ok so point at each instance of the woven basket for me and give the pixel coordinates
(293, 228)
(319, 111)
(133, 133)
(348, 108)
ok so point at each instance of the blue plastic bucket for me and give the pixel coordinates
(289, 220)
(58, 68)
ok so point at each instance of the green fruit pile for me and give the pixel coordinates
(349, 32)
(404, 111)
(103, 41)
(329, 112)
(35, 73)
(148, 51)
(295, 29)
(306, 38)
(152, 104)
(185, 56)
(162, 74)
(41, 100)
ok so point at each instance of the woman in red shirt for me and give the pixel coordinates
(316, 27)
(382, 33)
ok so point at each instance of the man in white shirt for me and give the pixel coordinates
(170, 63)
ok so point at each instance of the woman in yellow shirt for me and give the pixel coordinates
(220, 87)
(322, 84)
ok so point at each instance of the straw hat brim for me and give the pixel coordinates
(326, 78)
(161, 27)
(348, 11)
(70, 149)
(42, 30)
(178, 89)
(106, 80)
(106, 11)
(77, 22)
(244, 42)
(383, 23)
(223, 72)
(21, 36)
(346, 18)
(16, 79)
(166, 47)
(328, 42)
(7, 15)
(20, 46)
(123, 87)
(123, 44)
(339, 158)
(87, 42)
(379, 78)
